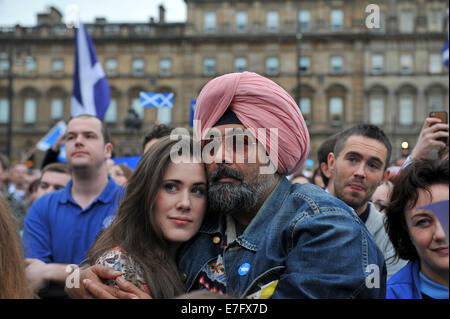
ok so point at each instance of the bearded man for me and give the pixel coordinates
(264, 237)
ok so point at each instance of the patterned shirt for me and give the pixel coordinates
(131, 271)
(212, 277)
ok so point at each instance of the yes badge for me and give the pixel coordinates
(244, 269)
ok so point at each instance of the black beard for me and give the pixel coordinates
(230, 198)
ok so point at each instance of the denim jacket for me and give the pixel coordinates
(303, 243)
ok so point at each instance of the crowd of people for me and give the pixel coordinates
(238, 219)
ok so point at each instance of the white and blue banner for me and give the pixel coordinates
(445, 49)
(52, 136)
(191, 117)
(156, 100)
(62, 154)
(91, 93)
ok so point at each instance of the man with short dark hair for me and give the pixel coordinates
(358, 165)
(61, 227)
(154, 134)
(54, 176)
(322, 157)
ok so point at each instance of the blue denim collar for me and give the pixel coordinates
(258, 226)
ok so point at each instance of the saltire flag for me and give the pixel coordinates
(91, 93)
(191, 118)
(157, 100)
(52, 136)
(445, 49)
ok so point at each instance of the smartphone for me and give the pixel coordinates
(444, 120)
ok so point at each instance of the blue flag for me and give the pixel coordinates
(191, 118)
(91, 93)
(445, 49)
(157, 100)
(52, 136)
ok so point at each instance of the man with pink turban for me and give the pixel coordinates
(257, 102)
(264, 237)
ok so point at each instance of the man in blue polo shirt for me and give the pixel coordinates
(60, 227)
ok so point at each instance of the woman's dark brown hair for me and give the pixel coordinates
(134, 228)
(13, 283)
(418, 175)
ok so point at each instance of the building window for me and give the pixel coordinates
(111, 112)
(209, 66)
(241, 21)
(136, 105)
(57, 109)
(435, 21)
(58, 66)
(111, 29)
(435, 63)
(164, 66)
(30, 65)
(272, 65)
(240, 64)
(304, 20)
(406, 113)
(165, 115)
(305, 64)
(377, 63)
(273, 19)
(111, 66)
(4, 110)
(435, 103)
(138, 67)
(406, 63)
(141, 29)
(336, 64)
(4, 66)
(210, 21)
(336, 110)
(337, 19)
(376, 114)
(436, 98)
(305, 108)
(29, 114)
(406, 22)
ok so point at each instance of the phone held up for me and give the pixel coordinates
(444, 120)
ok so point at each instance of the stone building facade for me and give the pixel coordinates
(338, 63)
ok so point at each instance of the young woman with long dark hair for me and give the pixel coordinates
(164, 206)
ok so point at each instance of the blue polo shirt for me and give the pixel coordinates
(58, 230)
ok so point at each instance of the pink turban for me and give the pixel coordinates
(258, 103)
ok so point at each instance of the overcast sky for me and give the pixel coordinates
(24, 12)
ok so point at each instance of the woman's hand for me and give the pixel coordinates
(126, 286)
(91, 286)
